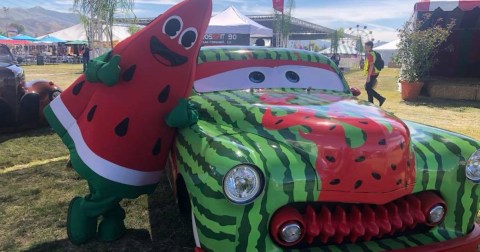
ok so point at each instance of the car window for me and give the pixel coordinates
(5, 55)
(285, 76)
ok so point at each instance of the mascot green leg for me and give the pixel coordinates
(83, 214)
(112, 227)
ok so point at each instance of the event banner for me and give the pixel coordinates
(226, 39)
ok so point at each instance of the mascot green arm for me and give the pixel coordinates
(107, 72)
(183, 115)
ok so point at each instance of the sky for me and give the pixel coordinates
(382, 17)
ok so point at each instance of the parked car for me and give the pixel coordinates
(284, 157)
(21, 102)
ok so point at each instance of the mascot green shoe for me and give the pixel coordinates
(80, 228)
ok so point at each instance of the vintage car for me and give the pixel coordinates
(284, 157)
(21, 102)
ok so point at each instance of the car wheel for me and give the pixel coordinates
(183, 200)
(53, 94)
(186, 210)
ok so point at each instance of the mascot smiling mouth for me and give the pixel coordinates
(164, 55)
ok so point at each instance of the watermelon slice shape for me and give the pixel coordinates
(118, 132)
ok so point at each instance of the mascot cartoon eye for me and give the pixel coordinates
(188, 38)
(173, 26)
(292, 76)
(256, 77)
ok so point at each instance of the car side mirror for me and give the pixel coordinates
(19, 60)
(355, 91)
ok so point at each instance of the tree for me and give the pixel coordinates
(20, 28)
(133, 29)
(419, 46)
(336, 37)
(282, 23)
(98, 18)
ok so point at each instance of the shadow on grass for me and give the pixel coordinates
(443, 103)
(43, 131)
(134, 240)
(168, 230)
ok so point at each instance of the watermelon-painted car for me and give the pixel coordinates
(284, 157)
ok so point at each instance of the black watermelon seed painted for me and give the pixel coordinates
(128, 74)
(335, 182)
(333, 127)
(362, 122)
(279, 121)
(401, 145)
(330, 159)
(399, 181)
(122, 127)
(91, 113)
(382, 142)
(394, 167)
(78, 87)
(163, 96)
(376, 176)
(358, 184)
(360, 159)
(157, 148)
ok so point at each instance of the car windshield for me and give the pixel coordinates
(284, 76)
(5, 56)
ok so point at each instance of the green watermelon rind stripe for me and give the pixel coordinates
(102, 184)
(101, 166)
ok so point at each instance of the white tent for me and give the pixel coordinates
(232, 21)
(77, 32)
(232, 26)
(342, 50)
(387, 51)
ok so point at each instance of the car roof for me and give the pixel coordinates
(229, 53)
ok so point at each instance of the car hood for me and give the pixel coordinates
(16, 70)
(355, 147)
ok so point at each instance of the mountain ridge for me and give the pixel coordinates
(37, 20)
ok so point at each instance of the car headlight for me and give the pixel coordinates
(472, 169)
(242, 184)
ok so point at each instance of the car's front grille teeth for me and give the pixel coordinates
(338, 223)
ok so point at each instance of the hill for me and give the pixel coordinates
(37, 20)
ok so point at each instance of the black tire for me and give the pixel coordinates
(6, 116)
(183, 200)
(29, 108)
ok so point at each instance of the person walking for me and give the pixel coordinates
(372, 73)
(85, 57)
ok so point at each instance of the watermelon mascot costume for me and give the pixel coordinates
(118, 119)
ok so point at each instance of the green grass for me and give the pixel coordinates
(456, 116)
(30, 146)
(34, 201)
(62, 74)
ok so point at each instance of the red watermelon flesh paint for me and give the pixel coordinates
(382, 166)
(124, 124)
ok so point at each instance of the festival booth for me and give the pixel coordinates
(76, 37)
(461, 54)
(343, 50)
(457, 72)
(388, 52)
(231, 27)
